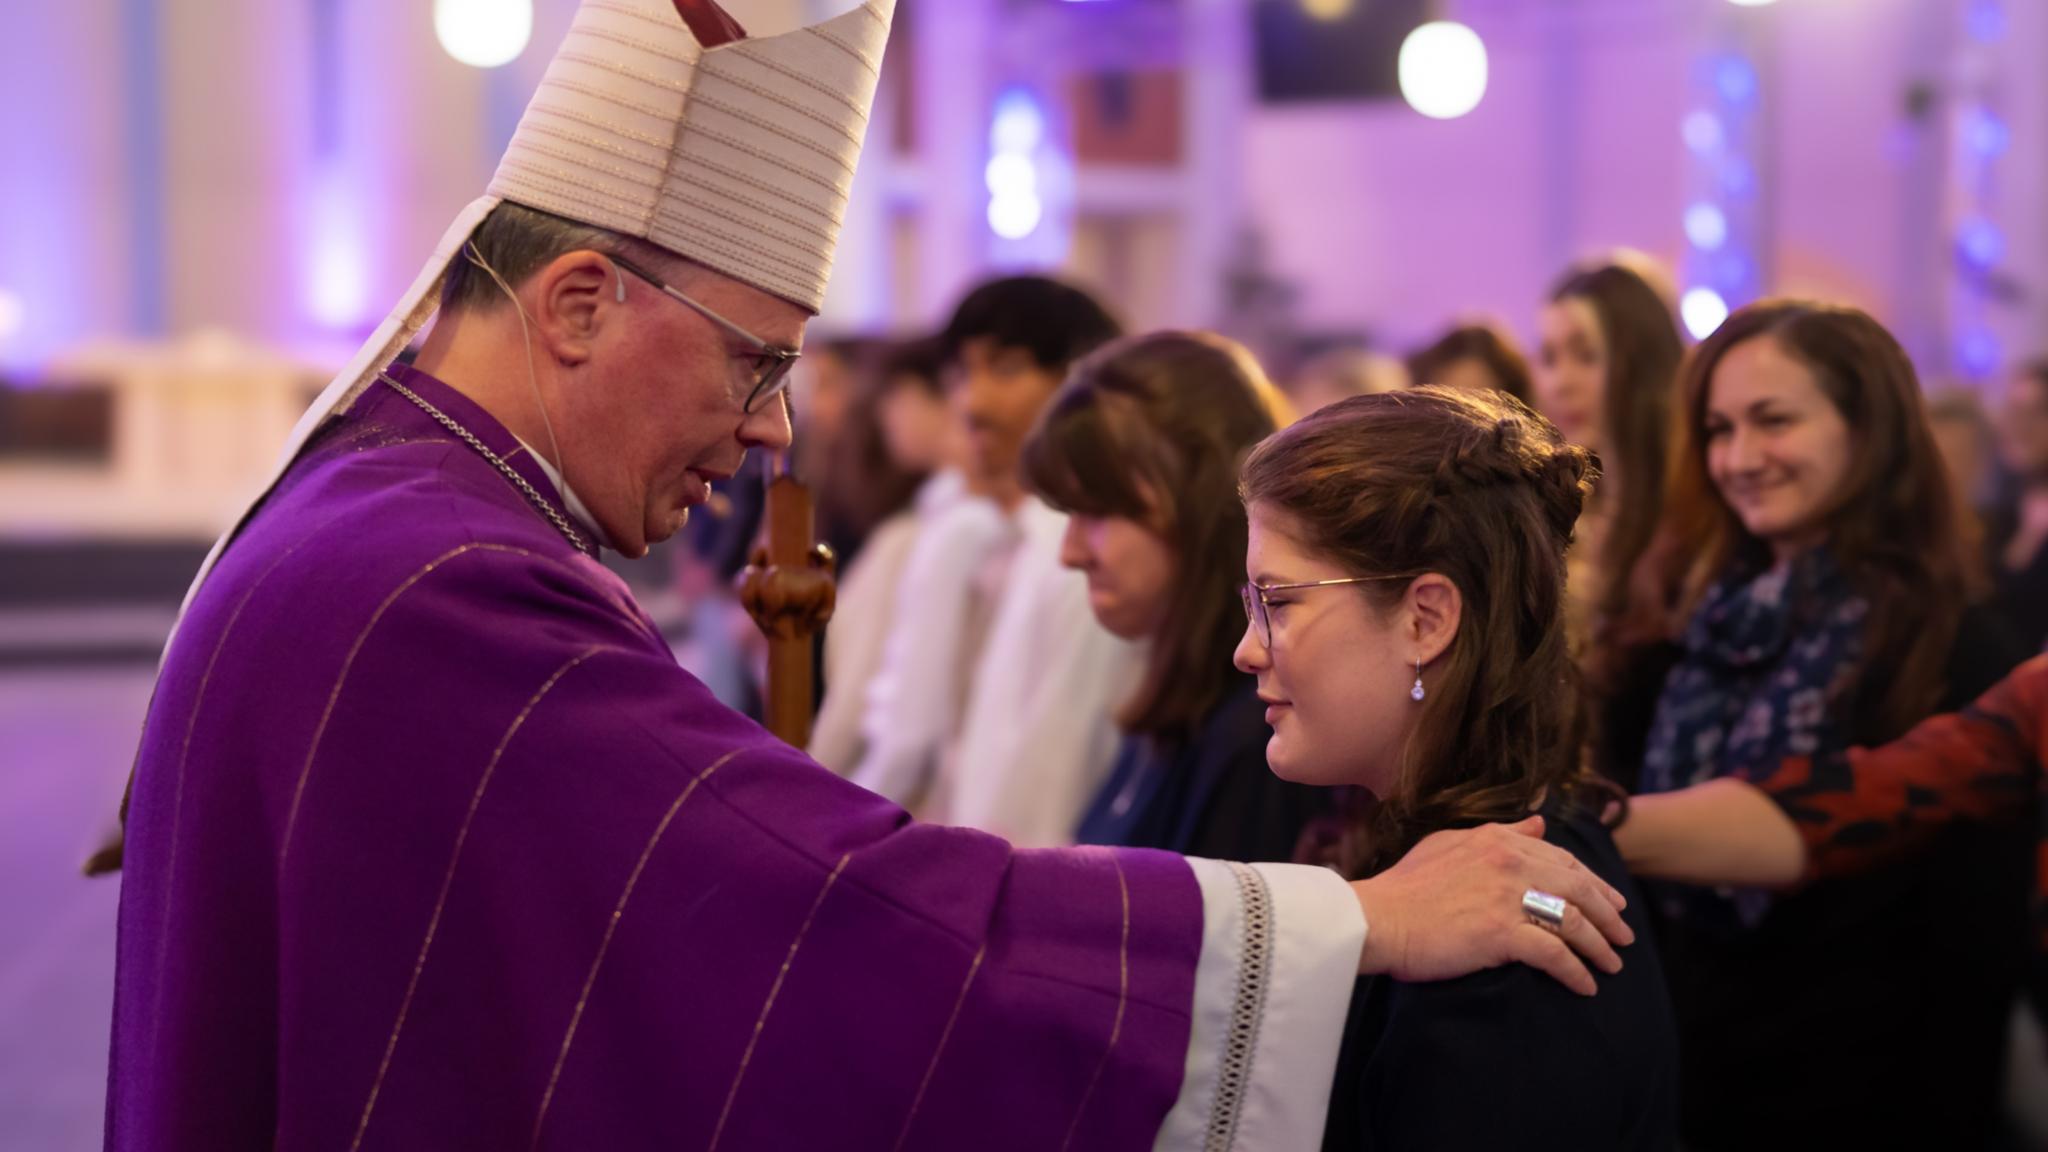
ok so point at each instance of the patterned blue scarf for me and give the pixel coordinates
(1766, 655)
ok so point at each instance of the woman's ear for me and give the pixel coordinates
(1434, 609)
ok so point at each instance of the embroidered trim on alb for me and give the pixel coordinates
(1254, 970)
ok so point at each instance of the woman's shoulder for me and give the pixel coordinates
(1601, 1071)
(1509, 1058)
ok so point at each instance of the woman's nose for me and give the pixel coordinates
(1251, 656)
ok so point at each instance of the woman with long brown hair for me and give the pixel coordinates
(1406, 554)
(1141, 448)
(1605, 364)
(1824, 591)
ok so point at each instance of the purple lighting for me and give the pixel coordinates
(1738, 179)
(1986, 21)
(1735, 79)
(1981, 243)
(337, 288)
(1985, 134)
(1703, 133)
(1734, 271)
(1978, 354)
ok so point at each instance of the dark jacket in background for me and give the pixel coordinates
(1210, 795)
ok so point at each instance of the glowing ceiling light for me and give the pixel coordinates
(1703, 133)
(483, 33)
(1019, 123)
(1011, 175)
(1328, 9)
(1703, 311)
(1014, 217)
(13, 315)
(1706, 226)
(1443, 70)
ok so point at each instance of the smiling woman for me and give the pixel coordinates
(1803, 431)
(1825, 600)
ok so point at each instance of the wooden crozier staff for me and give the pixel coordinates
(789, 591)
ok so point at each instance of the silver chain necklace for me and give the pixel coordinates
(533, 495)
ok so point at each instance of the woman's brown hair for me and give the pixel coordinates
(1485, 343)
(1894, 529)
(1643, 354)
(859, 484)
(1152, 429)
(1478, 488)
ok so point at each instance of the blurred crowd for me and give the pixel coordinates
(1794, 545)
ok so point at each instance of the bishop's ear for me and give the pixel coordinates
(574, 296)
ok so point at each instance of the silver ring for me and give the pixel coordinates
(1544, 910)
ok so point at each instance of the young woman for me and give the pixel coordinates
(898, 426)
(1141, 448)
(1407, 563)
(1606, 361)
(1824, 599)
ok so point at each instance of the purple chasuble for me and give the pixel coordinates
(433, 845)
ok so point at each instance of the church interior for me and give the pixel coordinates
(205, 209)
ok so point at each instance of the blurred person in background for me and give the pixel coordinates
(1969, 446)
(2021, 547)
(1607, 356)
(1606, 361)
(1337, 373)
(1141, 448)
(1827, 600)
(995, 702)
(1476, 356)
(899, 428)
(842, 447)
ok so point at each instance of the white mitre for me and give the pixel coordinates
(739, 157)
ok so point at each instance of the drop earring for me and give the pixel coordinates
(1416, 693)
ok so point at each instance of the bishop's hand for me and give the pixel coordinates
(1453, 906)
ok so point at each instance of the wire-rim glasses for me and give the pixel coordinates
(1258, 610)
(771, 364)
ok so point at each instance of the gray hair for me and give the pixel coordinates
(519, 241)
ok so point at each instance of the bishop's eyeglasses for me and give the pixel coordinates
(771, 365)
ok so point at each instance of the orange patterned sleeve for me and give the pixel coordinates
(1861, 808)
